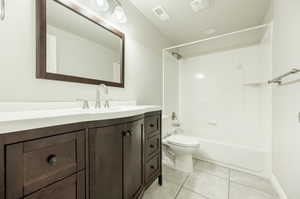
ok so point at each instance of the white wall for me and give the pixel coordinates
(286, 106)
(17, 60)
(229, 116)
(78, 56)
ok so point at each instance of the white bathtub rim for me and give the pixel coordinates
(260, 150)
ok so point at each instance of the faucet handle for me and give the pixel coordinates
(106, 103)
(105, 95)
(85, 104)
(105, 88)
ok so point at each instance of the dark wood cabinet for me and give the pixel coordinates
(152, 168)
(71, 187)
(116, 161)
(107, 159)
(133, 159)
(152, 149)
(33, 165)
(152, 146)
(152, 125)
(106, 162)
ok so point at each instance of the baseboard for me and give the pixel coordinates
(278, 188)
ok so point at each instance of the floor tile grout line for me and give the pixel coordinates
(211, 173)
(207, 173)
(252, 187)
(182, 185)
(196, 192)
(229, 180)
(229, 176)
(215, 164)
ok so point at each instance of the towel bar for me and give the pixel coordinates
(278, 80)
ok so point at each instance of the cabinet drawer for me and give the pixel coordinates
(44, 161)
(69, 188)
(152, 146)
(152, 168)
(152, 125)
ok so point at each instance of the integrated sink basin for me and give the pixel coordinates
(11, 121)
(38, 114)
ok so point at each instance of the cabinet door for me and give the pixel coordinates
(133, 159)
(69, 188)
(106, 162)
(33, 165)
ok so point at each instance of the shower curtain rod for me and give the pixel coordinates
(217, 37)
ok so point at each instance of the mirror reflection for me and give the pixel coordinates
(79, 47)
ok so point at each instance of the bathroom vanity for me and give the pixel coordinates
(116, 156)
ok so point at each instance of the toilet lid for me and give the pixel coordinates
(182, 140)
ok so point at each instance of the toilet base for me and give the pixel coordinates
(184, 162)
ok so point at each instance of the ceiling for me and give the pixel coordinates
(185, 25)
(228, 42)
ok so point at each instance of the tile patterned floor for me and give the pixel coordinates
(210, 181)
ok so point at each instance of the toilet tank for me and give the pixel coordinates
(170, 126)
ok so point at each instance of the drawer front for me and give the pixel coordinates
(44, 161)
(152, 168)
(69, 188)
(152, 146)
(152, 125)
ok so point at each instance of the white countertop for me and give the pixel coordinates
(12, 121)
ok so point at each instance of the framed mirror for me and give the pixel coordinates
(75, 45)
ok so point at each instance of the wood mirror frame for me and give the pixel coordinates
(41, 44)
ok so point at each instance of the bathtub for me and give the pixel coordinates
(251, 160)
(242, 158)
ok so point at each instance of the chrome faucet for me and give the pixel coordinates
(85, 104)
(100, 97)
(106, 100)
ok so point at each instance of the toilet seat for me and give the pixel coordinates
(182, 141)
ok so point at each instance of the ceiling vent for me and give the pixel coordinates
(198, 5)
(160, 12)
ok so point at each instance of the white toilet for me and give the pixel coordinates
(183, 148)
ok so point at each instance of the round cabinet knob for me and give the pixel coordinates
(52, 160)
(152, 146)
(127, 133)
(152, 167)
(151, 125)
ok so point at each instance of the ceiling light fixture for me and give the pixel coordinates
(113, 8)
(119, 14)
(200, 76)
(198, 5)
(103, 5)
